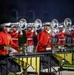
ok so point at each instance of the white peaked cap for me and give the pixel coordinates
(46, 23)
(60, 26)
(6, 24)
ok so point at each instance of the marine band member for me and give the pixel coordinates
(44, 39)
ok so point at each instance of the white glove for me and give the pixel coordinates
(49, 31)
(17, 31)
(21, 33)
(64, 31)
(32, 30)
(59, 47)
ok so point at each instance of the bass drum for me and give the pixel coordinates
(8, 65)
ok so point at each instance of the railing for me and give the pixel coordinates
(38, 61)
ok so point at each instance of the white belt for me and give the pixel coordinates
(61, 39)
(14, 38)
(48, 49)
(29, 38)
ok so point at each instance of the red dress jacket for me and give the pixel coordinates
(61, 38)
(29, 36)
(72, 33)
(43, 41)
(5, 39)
(15, 36)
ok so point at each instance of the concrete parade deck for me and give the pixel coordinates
(63, 72)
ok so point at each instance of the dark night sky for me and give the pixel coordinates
(46, 10)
